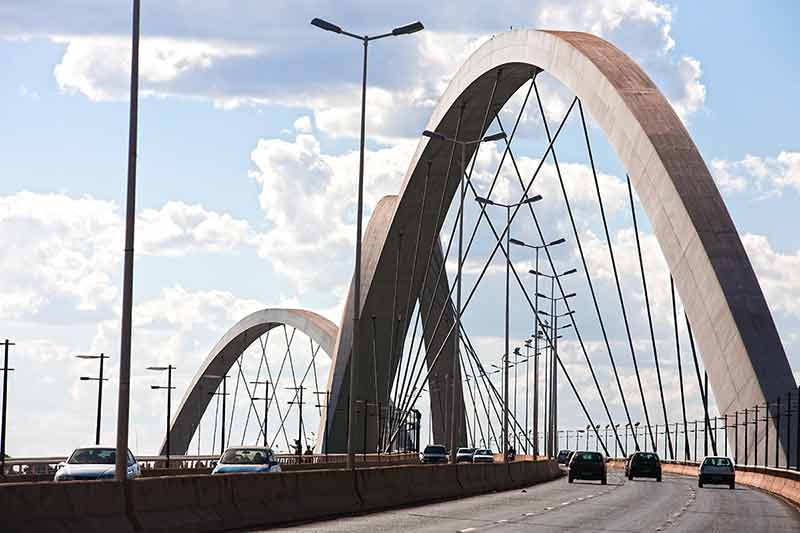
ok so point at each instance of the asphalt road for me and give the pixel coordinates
(676, 504)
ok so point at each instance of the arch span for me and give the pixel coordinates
(725, 305)
(227, 351)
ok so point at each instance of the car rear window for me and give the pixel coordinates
(435, 449)
(646, 457)
(588, 457)
(717, 461)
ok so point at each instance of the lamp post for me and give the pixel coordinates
(6, 370)
(224, 394)
(508, 207)
(169, 387)
(299, 392)
(554, 329)
(616, 450)
(457, 338)
(266, 384)
(365, 40)
(100, 381)
(536, 337)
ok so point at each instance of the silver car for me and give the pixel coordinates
(483, 456)
(247, 459)
(94, 462)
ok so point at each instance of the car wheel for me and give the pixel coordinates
(603, 481)
(700, 484)
(569, 479)
(732, 486)
(658, 478)
(630, 476)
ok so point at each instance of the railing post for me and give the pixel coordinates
(778, 432)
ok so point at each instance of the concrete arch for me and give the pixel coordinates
(219, 361)
(732, 324)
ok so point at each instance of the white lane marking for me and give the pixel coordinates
(547, 508)
(467, 530)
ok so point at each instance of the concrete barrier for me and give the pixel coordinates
(238, 501)
(90, 506)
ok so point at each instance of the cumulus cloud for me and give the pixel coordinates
(67, 250)
(766, 175)
(776, 272)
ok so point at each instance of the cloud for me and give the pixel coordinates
(776, 272)
(766, 175)
(66, 250)
(309, 202)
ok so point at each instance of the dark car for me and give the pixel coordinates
(563, 457)
(464, 455)
(434, 453)
(587, 465)
(716, 470)
(644, 464)
(627, 464)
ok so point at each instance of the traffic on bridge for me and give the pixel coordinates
(528, 304)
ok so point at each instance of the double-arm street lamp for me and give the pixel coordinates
(224, 394)
(100, 379)
(457, 337)
(365, 39)
(508, 207)
(266, 384)
(169, 387)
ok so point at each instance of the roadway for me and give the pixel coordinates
(676, 504)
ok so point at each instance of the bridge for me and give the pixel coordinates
(412, 361)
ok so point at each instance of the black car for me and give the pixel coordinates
(644, 464)
(434, 453)
(563, 457)
(587, 465)
(464, 455)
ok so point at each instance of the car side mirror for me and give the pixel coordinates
(213, 464)
(61, 465)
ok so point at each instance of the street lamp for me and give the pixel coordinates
(266, 384)
(224, 394)
(100, 379)
(463, 144)
(169, 387)
(365, 39)
(6, 370)
(485, 202)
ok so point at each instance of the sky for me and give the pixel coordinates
(247, 159)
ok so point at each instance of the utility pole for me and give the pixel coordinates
(6, 370)
(266, 384)
(224, 394)
(299, 392)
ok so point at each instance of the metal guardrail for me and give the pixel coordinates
(43, 468)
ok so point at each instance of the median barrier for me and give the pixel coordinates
(86, 506)
(237, 501)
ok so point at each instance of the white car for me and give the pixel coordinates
(94, 462)
(716, 470)
(483, 456)
(247, 459)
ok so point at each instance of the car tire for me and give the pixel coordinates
(569, 479)
(630, 476)
(700, 483)
(604, 480)
(732, 485)
(658, 479)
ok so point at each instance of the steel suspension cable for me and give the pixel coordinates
(680, 367)
(561, 289)
(649, 317)
(233, 408)
(494, 251)
(616, 277)
(261, 361)
(480, 395)
(703, 389)
(588, 276)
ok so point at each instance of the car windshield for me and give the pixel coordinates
(245, 456)
(483, 452)
(646, 457)
(588, 457)
(435, 449)
(93, 456)
(717, 461)
(564, 453)
(469, 451)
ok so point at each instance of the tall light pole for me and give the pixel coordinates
(169, 387)
(536, 249)
(123, 408)
(7, 343)
(508, 207)
(224, 394)
(266, 384)
(457, 338)
(100, 381)
(365, 39)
